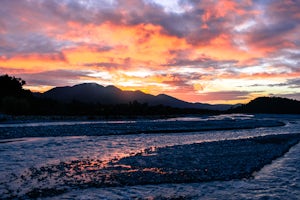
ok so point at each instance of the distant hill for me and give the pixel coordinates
(94, 93)
(273, 105)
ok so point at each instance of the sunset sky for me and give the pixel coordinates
(195, 50)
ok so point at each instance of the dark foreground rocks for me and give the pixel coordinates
(201, 162)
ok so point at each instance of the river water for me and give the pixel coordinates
(278, 180)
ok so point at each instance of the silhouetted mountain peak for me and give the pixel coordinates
(113, 88)
(164, 96)
(88, 85)
(139, 91)
(95, 93)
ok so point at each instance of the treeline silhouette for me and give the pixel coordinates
(271, 105)
(15, 100)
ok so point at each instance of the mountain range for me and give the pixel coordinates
(93, 99)
(95, 93)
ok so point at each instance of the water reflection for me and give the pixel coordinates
(85, 157)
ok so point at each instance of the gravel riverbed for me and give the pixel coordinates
(200, 162)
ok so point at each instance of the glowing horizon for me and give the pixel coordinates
(197, 51)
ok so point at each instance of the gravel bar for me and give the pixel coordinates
(200, 162)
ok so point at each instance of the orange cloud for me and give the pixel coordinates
(33, 62)
(144, 45)
(138, 45)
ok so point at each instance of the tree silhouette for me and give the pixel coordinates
(13, 98)
(11, 86)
